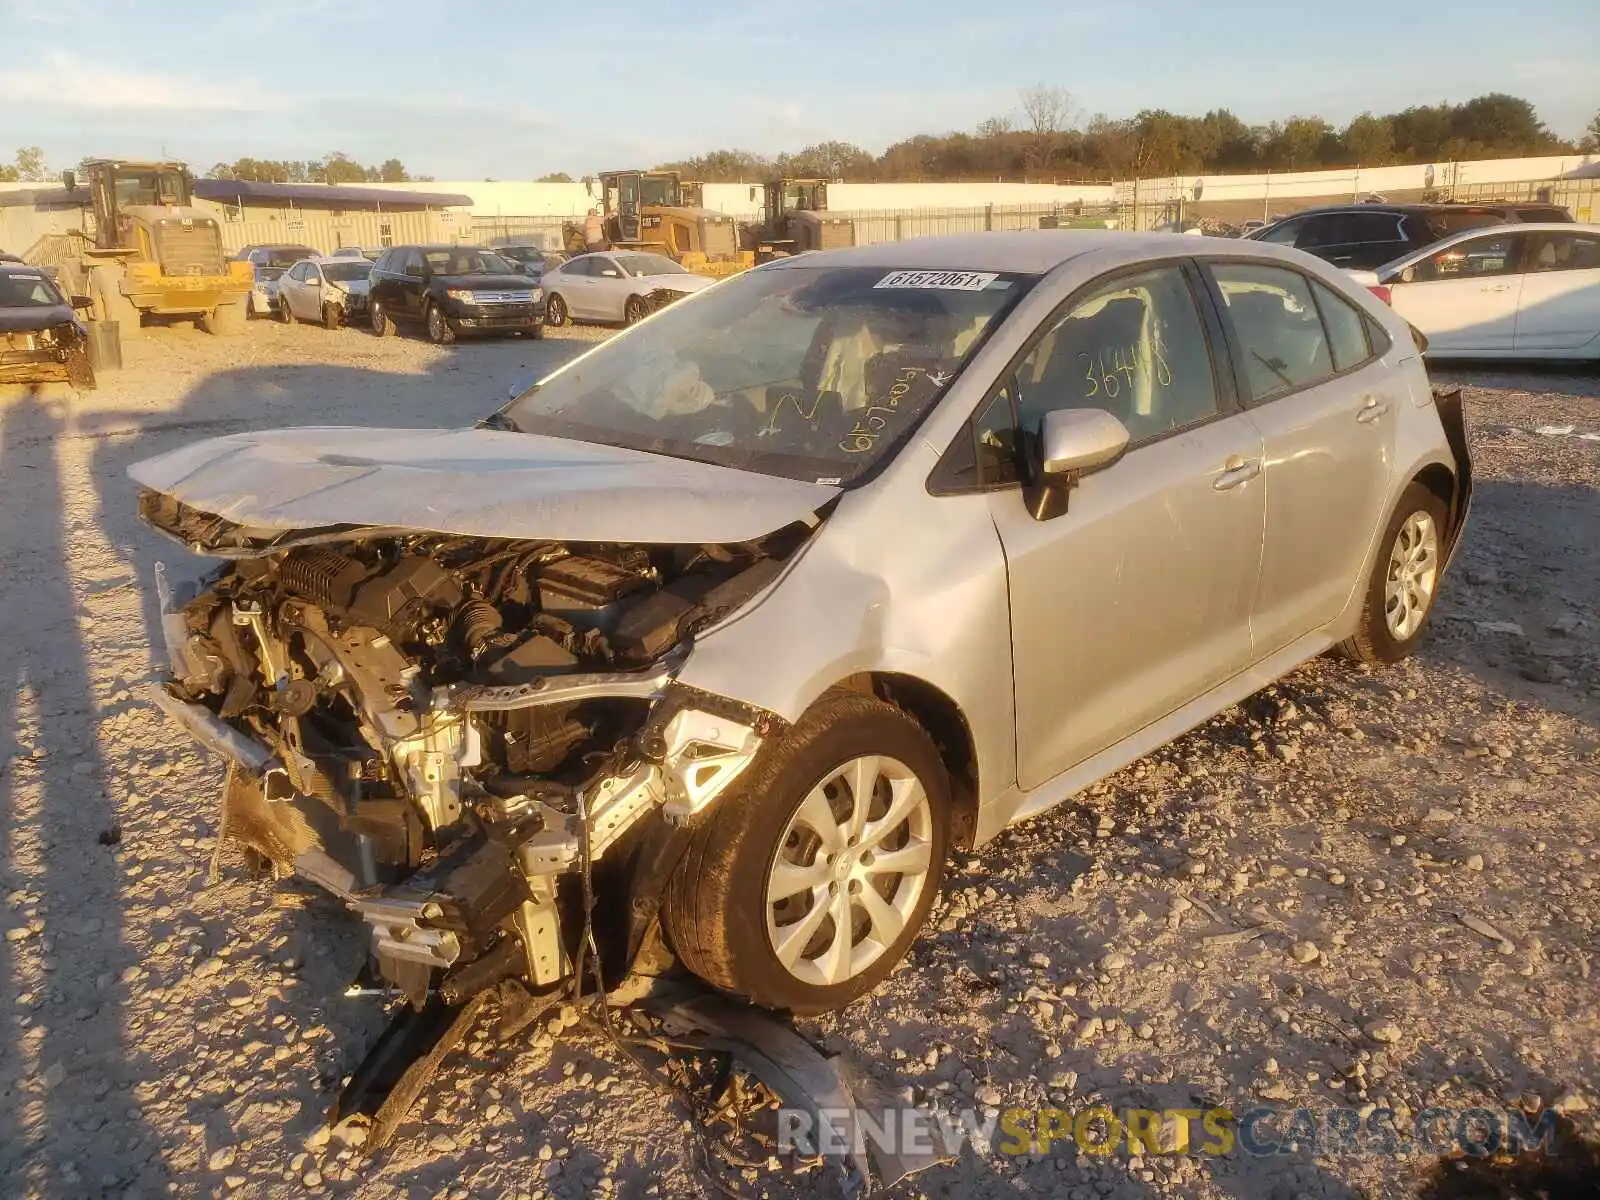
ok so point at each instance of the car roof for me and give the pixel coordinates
(1467, 235)
(338, 259)
(22, 268)
(1420, 208)
(1022, 252)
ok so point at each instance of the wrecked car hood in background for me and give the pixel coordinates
(476, 483)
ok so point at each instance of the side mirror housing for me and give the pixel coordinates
(1072, 443)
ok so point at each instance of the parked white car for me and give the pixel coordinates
(614, 285)
(330, 291)
(1508, 291)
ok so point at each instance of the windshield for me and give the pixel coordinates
(810, 372)
(149, 187)
(283, 256)
(467, 262)
(344, 272)
(640, 265)
(28, 291)
(660, 192)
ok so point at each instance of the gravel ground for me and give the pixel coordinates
(1274, 909)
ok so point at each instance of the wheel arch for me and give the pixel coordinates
(943, 721)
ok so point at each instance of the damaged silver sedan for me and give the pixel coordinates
(736, 623)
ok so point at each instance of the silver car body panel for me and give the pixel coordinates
(476, 483)
(1023, 625)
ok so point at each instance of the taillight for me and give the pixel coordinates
(1382, 292)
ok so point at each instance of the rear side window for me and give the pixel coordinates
(1346, 328)
(1353, 228)
(1565, 252)
(1276, 326)
(1134, 347)
(1283, 233)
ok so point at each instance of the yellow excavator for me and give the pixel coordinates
(650, 210)
(149, 250)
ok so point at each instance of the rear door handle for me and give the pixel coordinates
(1236, 471)
(1371, 409)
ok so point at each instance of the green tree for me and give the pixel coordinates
(1369, 141)
(339, 167)
(555, 177)
(393, 171)
(1591, 135)
(30, 165)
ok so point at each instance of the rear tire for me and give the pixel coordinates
(281, 310)
(555, 311)
(726, 912)
(225, 320)
(1404, 584)
(378, 319)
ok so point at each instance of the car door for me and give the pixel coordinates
(410, 286)
(1464, 297)
(1136, 599)
(288, 289)
(1559, 305)
(1308, 367)
(609, 289)
(577, 284)
(298, 290)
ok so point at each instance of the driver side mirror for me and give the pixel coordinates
(1072, 443)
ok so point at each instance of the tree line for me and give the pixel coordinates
(337, 167)
(1045, 140)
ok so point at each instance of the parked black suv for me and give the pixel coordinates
(1365, 236)
(452, 290)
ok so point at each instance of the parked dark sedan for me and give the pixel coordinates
(1365, 236)
(452, 290)
(42, 339)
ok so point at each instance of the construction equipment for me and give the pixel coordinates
(649, 210)
(150, 251)
(794, 219)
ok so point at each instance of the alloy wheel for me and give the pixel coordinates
(849, 870)
(1413, 575)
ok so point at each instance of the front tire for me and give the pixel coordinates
(1404, 583)
(555, 311)
(633, 310)
(811, 878)
(378, 318)
(439, 331)
(332, 316)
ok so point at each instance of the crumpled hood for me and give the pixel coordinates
(474, 482)
(34, 318)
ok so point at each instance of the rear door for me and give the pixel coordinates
(1308, 367)
(1559, 304)
(1465, 297)
(290, 288)
(410, 285)
(577, 285)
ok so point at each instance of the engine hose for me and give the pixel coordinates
(477, 622)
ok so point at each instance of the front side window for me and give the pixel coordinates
(810, 372)
(1477, 258)
(1134, 347)
(1276, 326)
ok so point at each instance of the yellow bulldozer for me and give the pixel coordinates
(149, 250)
(794, 219)
(657, 211)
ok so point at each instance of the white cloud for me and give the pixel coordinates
(67, 82)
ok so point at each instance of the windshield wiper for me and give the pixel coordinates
(499, 420)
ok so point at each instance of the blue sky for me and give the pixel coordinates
(472, 90)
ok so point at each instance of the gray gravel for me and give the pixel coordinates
(1358, 887)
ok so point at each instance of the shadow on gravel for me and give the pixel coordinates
(59, 856)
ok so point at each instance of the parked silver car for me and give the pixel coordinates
(743, 618)
(614, 285)
(331, 291)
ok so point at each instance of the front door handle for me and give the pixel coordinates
(1371, 409)
(1236, 471)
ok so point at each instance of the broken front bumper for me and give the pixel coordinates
(486, 902)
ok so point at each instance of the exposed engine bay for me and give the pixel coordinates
(447, 731)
